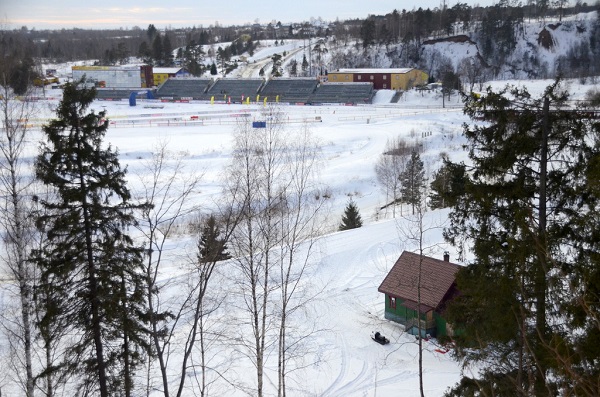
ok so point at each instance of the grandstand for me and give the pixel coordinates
(233, 90)
(188, 88)
(292, 91)
(289, 90)
(349, 93)
(115, 94)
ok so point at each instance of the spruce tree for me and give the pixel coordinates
(525, 306)
(413, 181)
(351, 218)
(212, 247)
(448, 185)
(91, 266)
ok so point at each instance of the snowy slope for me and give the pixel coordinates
(339, 357)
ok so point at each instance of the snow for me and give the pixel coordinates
(344, 361)
(340, 358)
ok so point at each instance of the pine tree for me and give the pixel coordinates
(413, 181)
(213, 69)
(351, 218)
(212, 247)
(157, 50)
(304, 63)
(167, 51)
(90, 264)
(525, 304)
(367, 32)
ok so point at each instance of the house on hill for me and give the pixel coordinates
(438, 286)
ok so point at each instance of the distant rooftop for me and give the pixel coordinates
(166, 70)
(375, 70)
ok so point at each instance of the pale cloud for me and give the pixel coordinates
(186, 13)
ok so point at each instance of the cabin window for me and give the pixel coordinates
(392, 302)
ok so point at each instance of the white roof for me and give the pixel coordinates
(374, 70)
(166, 70)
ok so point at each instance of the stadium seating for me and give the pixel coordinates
(233, 90)
(293, 91)
(112, 94)
(349, 93)
(183, 88)
(289, 90)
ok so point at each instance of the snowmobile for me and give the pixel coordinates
(377, 337)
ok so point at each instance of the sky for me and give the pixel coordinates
(187, 13)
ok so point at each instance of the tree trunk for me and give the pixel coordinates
(542, 268)
(14, 218)
(93, 283)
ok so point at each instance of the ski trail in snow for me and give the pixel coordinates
(354, 384)
(342, 374)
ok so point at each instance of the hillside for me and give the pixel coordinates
(540, 50)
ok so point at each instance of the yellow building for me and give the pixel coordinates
(163, 74)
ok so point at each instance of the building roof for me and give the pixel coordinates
(166, 70)
(437, 280)
(105, 68)
(375, 70)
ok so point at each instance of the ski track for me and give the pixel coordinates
(353, 385)
(341, 375)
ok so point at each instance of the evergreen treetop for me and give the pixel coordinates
(351, 218)
(212, 247)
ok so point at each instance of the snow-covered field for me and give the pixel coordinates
(340, 358)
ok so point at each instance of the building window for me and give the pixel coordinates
(384, 86)
(346, 77)
(397, 77)
(384, 77)
(392, 302)
(372, 77)
(334, 77)
(359, 77)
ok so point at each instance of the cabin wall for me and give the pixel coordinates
(433, 323)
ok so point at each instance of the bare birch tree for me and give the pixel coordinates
(388, 168)
(255, 182)
(272, 183)
(17, 230)
(413, 231)
(211, 249)
(167, 190)
(300, 223)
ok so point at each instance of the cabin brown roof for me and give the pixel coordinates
(437, 280)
